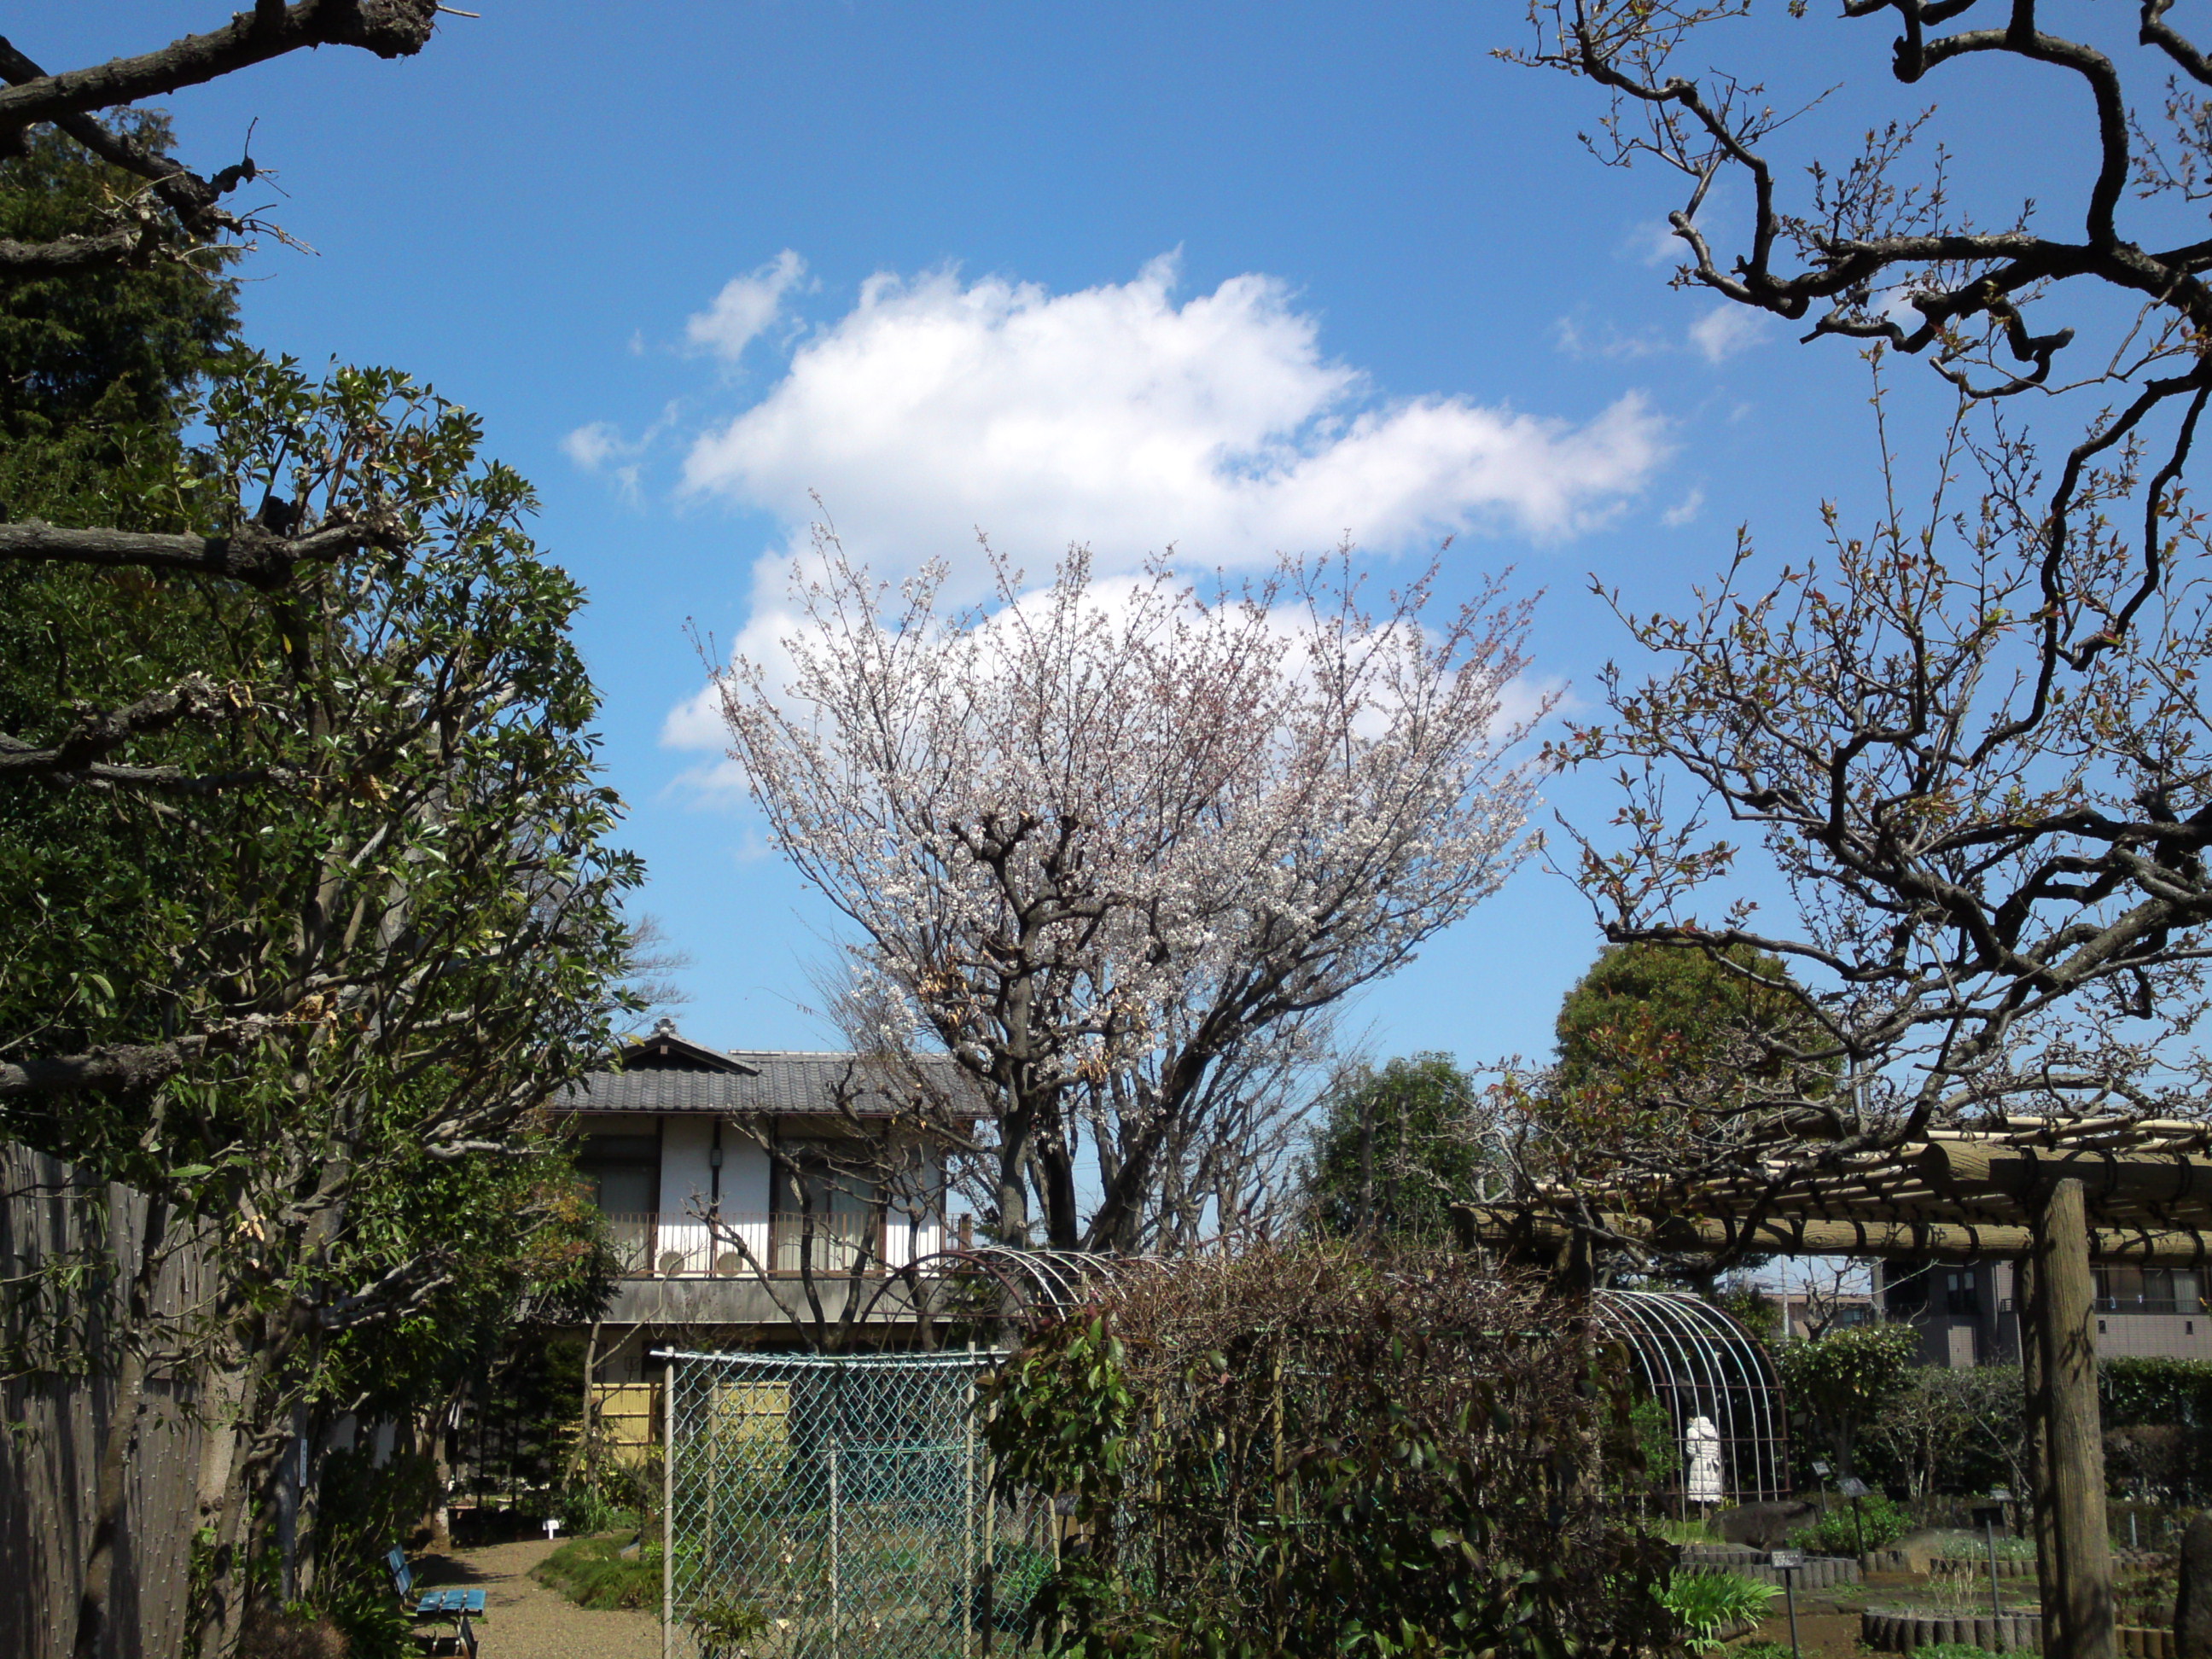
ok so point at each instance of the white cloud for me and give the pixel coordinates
(1582, 343)
(1684, 511)
(746, 308)
(1119, 417)
(592, 447)
(1127, 419)
(1726, 329)
(1653, 242)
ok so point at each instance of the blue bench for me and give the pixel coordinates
(456, 1608)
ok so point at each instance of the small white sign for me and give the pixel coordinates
(552, 1526)
(2000, 1495)
(1785, 1558)
(1853, 1487)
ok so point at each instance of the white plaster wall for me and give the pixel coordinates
(745, 1172)
(684, 1175)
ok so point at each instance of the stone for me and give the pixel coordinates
(1767, 1526)
(2192, 1607)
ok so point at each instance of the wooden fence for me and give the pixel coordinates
(57, 1398)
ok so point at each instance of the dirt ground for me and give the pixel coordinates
(525, 1620)
(1830, 1635)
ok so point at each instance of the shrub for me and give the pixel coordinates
(1953, 1650)
(592, 1572)
(722, 1628)
(1705, 1603)
(1879, 1521)
(585, 1509)
(1315, 1451)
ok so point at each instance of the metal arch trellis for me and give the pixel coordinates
(1698, 1362)
(1695, 1359)
(1001, 1285)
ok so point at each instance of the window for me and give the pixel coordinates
(830, 1220)
(2148, 1289)
(1962, 1297)
(622, 1173)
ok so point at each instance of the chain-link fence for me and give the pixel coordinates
(846, 1500)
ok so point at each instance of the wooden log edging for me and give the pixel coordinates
(1818, 1571)
(1901, 1632)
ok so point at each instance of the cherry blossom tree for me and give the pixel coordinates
(1102, 840)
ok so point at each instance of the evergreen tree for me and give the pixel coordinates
(1394, 1150)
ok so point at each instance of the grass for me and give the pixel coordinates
(1705, 1603)
(592, 1572)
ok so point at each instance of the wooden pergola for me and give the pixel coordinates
(2053, 1196)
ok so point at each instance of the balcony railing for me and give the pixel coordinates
(2142, 1304)
(737, 1245)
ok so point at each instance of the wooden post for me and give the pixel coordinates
(2035, 1429)
(1275, 1421)
(2075, 1439)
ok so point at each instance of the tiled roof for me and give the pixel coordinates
(656, 1092)
(784, 1082)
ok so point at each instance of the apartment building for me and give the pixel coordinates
(1967, 1313)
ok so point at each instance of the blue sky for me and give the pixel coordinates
(680, 255)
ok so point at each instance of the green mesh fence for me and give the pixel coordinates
(846, 1500)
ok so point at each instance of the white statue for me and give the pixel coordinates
(1701, 1452)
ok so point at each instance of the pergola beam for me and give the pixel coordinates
(1969, 1167)
(1503, 1226)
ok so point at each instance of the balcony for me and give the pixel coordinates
(2130, 1304)
(739, 1245)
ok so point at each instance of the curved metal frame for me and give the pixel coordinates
(1699, 1362)
(1695, 1359)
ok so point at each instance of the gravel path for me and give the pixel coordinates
(525, 1620)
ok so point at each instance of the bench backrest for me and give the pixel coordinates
(403, 1576)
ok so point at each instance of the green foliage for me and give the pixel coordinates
(1654, 1427)
(1303, 1453)
(118, 344)
(1953, 1650)
(1392, 1151)
(1880, 1521)
(721, 1628)
(592, 1572)
(1650, 1011)
(2146, 1390)
(359, 1512)
(1661, 1050)
(1761, 1650)
(1838, 1383)
(1705, 1604)
(395, 922)
(1946, 1431)
(586, 1509)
